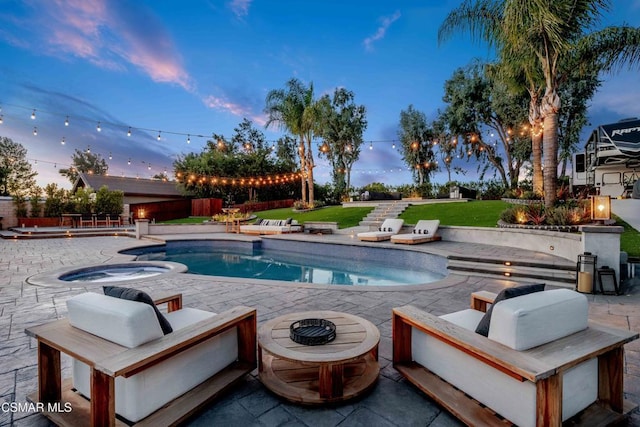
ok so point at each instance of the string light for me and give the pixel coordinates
(33, 114)
(1, 119)
(129, 131)
(371, 146)
(62, 141)
(188, 139)
(66, 121)
(98, 128)
(35, 131)
(88, 149)
(129, 161)
(110, 156)
(159, 137)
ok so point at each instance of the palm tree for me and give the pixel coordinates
(294, 109)
(548, 30)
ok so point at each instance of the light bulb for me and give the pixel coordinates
(66, 121)
(110, 156)
(129, 131)
(35, 131)
(370, 146)
(88, 149)
(62, 141)
(98, 128)
(33, 114)
(159, 137)
(1, 121)
(188, 139)
(129, 161)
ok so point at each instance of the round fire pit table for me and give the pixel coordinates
(337, 371)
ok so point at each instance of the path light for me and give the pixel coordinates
(600, 208)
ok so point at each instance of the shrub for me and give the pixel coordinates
(57, 201)
(20, 203)
(536, 214)
(34, 201)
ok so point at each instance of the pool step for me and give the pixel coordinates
(558, 274)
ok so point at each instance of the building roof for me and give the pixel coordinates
(130, 186)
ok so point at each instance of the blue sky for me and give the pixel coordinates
(201, 67)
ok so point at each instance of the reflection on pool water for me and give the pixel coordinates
(113, 273)
(309, 263)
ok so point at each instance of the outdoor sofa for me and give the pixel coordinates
(126, 363)
(541, 364)
(424, 231)
(389, 227)
(271, 226)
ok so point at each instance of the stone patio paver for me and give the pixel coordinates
(392, 402)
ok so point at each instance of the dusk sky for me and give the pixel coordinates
(199, 67)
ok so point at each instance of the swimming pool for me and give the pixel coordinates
(302, 262)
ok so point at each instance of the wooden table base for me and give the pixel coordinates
(301, 383)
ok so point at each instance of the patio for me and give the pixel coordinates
(392, 402)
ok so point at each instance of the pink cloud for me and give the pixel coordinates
(386, 22)
(108, 34)
(222, 104)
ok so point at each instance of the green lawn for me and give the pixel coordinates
(190, 220)
(479, 213)
(630, 239)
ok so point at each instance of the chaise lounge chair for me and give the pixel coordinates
(126, 363)
(541, 364)
(388, 228)
(424, 231)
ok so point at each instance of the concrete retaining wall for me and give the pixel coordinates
(603, 241)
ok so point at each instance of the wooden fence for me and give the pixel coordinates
(161, 211)
(206, 207)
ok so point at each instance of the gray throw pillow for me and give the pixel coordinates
(485, 322)
(138, 296)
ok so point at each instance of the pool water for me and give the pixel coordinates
(271, 264)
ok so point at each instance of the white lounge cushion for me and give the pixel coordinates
(142, 394)
(511, 398)
(538, 318)
(123, 322)
(389, 227)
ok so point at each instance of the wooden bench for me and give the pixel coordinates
(543, 365)
(108, 360)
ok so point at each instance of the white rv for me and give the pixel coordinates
(610, 163)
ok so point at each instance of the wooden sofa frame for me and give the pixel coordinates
(108, 360)
(543, 365)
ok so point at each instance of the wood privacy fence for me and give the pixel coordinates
(206, 207)
(174, 209)
(161, 211)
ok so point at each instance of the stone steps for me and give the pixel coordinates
(560, 274)
(382, 211)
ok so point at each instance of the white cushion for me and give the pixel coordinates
(124, 322)
(428, 226)
(468, 318)
(142, 394)
(538, 318)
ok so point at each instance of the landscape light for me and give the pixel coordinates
(600, 208)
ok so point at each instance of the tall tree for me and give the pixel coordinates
(416, 144)
(550, 30)
(295, 110)
(85, 162)
(16, 175)
(342, 124)
(489, 119)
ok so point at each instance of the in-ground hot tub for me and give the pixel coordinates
(124, 272)
(114, 273)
